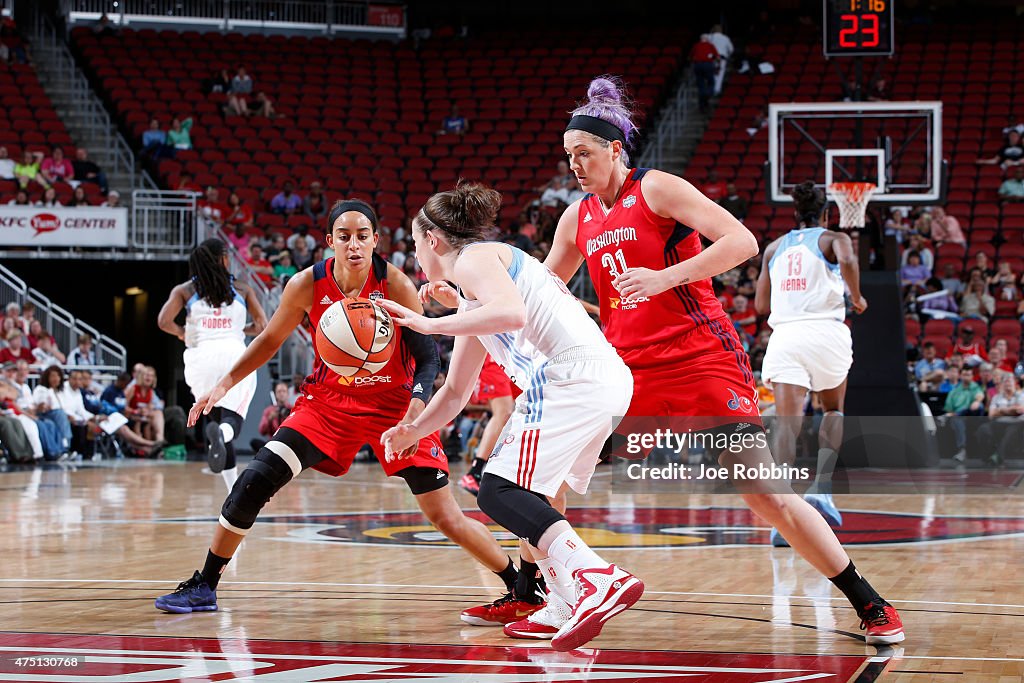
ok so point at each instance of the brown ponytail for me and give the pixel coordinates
(466, 214)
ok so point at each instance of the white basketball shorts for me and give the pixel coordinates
(814, 354)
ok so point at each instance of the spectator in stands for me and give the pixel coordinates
(285, 267)
(879, 91)
(238, 93)
(20, 199)
(84, 353)
(14, 433)
(113, 200)
(897, 225)
(704, 58)
(972, 352)
(79, 198)
(212, 210)
(154, 142)
(714, 189)
(917, 244)
(113, 397)
(1003, 434)
(144, 406)
(239, 238)
(179, 136)
(88, 172)
(930, 370)
(1012, 189)
(47, 404)
(46, 354)
(977, 302)
(1003, 284)
(276, 248)
(315, 203)
(56, 169)
(939, 305)
(220, 82)
(725, 49)
(914, 273)
(73, 405)
(965, 398)
(49, 199)
(262, 105)
(238, 212)
(13, 313)
(1011, 153)
(951, 282)
(852, 91)
(744, 318)
(36, 334)
(759, 122)
(733, 202)
(186, 183)
(260, 265)
(923, 225)
(16, 348)
(273, 415)
(49, 435)
(103, 26)
(28, 170)
(286, 202)
(14, 44)
(946, 229)
(398, 254)
(301, 234)
(997, 357)
(6, 165)
(562, 189)
(454, 123)
(302, 256)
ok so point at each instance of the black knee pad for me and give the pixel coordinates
(232, 418)
(525, 513)
(423, 479)
(256, 485)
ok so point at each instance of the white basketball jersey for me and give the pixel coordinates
(805, 286)
(555, 322)
(205, 323)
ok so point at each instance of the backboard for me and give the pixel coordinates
(896, 145)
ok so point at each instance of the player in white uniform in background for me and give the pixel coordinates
(802, 286)
(214, 333)
(574, 385)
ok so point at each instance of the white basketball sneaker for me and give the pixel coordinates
(543, 624)
(600, 595)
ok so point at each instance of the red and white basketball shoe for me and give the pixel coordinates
(504, 610)
(883, 625)
(600, 595)
(542, 624)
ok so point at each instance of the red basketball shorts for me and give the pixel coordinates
(492, 383)
(704, 373)
(339, 425)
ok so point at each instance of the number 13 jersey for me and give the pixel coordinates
(631, 235)
(805, 286)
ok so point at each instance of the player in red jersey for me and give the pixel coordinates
(639, 231)
(494, 390)
(336, 415)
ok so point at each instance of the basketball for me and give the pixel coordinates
(355, 337)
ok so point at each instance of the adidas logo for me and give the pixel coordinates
(418, 389)
(440, 474)
(587, 218)
(326, 301)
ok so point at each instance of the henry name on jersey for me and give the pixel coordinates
(612, 238)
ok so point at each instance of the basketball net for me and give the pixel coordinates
(852, 200)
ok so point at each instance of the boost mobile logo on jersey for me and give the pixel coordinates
(618, 303)
(363, 381)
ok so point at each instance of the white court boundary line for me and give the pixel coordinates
(490, 588)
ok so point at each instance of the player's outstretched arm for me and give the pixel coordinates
(670, 196)
(763, 293)
(294, 305)
(170, 310)
(467, 360)
(565, 258)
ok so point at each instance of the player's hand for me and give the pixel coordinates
(399, 442)
(206, 402)
(405, 317)
(860, 305)
(635, 282)
(441, 292)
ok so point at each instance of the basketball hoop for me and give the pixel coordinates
(852, 200)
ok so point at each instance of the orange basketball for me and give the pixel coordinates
(355, 337)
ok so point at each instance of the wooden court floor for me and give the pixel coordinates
(344, 582)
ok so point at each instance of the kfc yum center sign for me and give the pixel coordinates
(92, 226)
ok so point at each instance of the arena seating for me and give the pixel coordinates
(362, 116)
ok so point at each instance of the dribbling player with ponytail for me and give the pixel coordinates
(214, 335)
(639, 231)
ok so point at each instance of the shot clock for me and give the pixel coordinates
(858, 28)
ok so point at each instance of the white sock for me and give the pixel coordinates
(569, 550)
(229, 476)
(227, 432)
(558, 579)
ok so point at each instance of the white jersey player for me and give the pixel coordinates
(574, 385)
(214, 334)
(810, 349)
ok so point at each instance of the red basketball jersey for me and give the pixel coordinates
(396, 374)
(633, 236)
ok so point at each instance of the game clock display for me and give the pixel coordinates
(854, 28)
